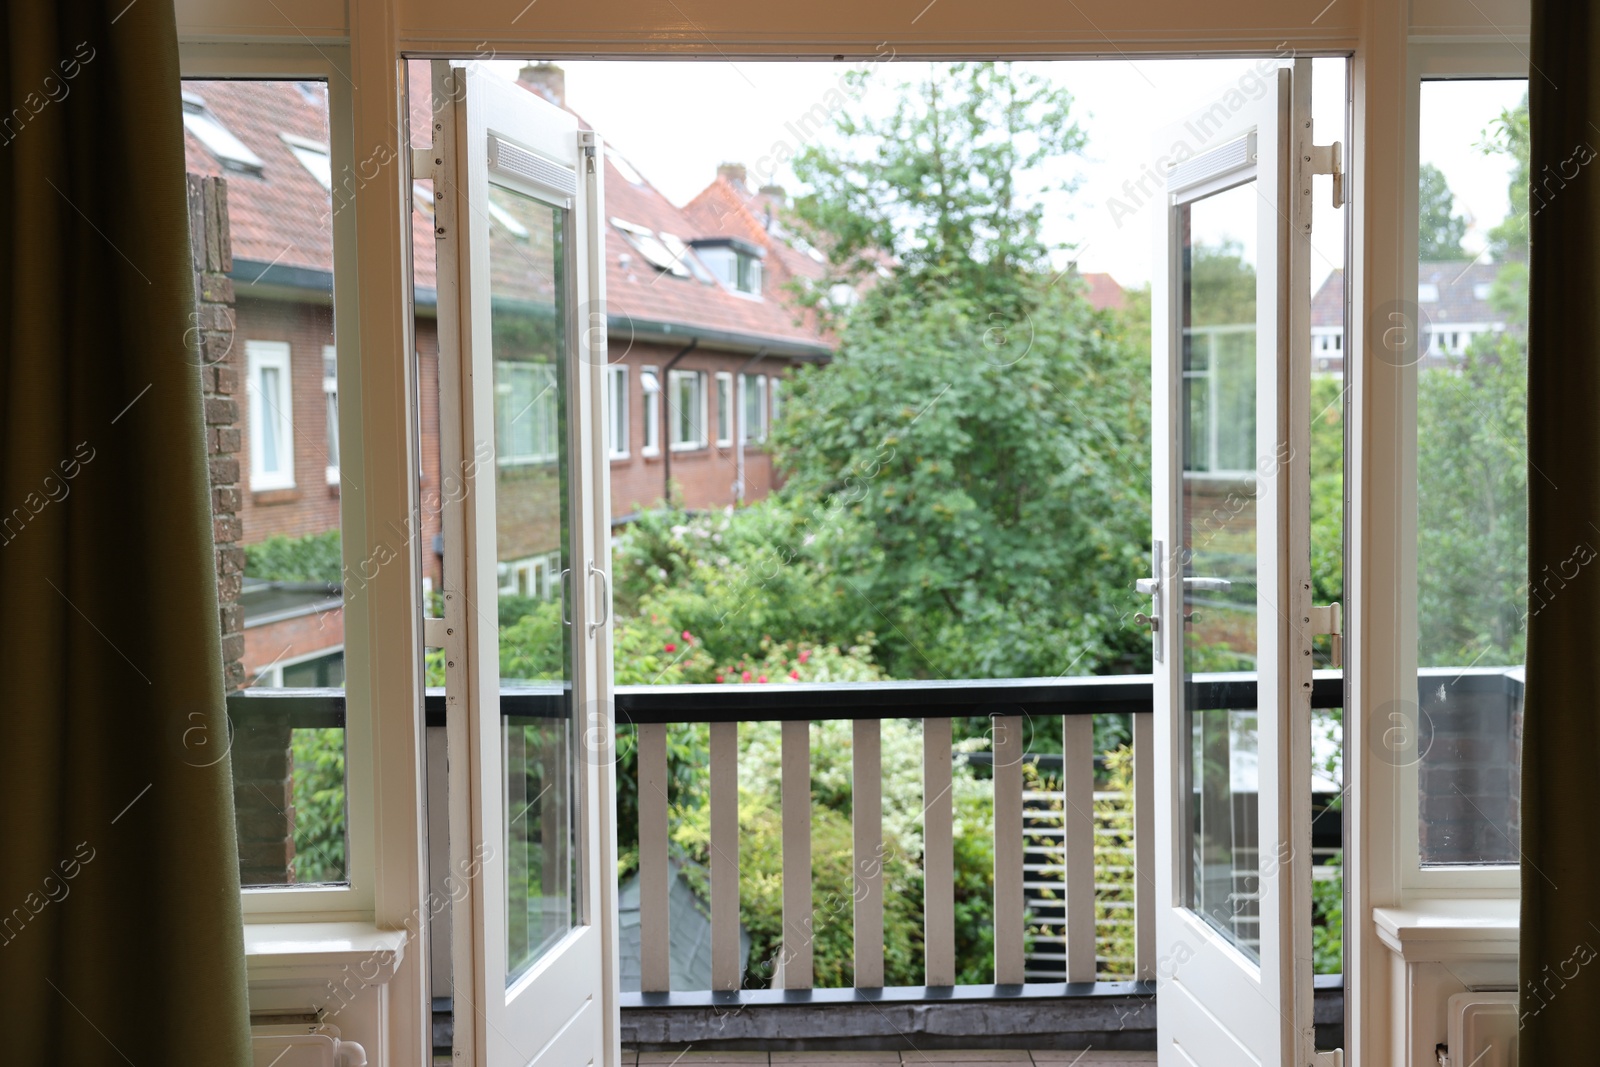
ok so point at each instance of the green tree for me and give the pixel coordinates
(1472, 493)
(1440, 229)
(989, 481)
(948, 185)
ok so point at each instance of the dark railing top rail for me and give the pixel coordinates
(794, 701)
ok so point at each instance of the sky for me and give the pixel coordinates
(676, 120)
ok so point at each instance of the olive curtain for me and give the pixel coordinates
(120, 936)
(1560, 931)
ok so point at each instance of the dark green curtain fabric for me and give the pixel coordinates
(120, 936)
(1560, 951)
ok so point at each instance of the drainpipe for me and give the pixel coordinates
(666, 408)
(738, 424)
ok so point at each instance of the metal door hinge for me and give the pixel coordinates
(1329, 159)
(423, 162)
(1329, 619)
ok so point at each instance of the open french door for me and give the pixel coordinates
(1230, 585)
(526, 521)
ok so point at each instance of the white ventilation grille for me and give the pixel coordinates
(513, 159)
(1233, 156)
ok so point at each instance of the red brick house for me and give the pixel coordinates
(703, 319)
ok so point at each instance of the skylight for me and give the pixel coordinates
(625, 169)
(651, 247)
(313, 156)
(511, 225)
(231, 152)
(680, 252)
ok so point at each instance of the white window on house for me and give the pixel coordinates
(537, 577)
(617, 411)
(777, 384)
(650, 388)
(688, 409)
(526, 425)
(724, 409)
(754, 390)
(734, 263)
(330, 398)
(1428, 292)
(271, 415)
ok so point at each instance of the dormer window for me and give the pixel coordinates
(735, 263)
(232, 153)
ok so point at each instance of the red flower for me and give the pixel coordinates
(686, 636)
(762, 679)
(719, 677)
(795, 675)
(805, 654)
(745, 677)
(671, 647)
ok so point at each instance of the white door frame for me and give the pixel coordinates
(564, 1009)
(1212, 998)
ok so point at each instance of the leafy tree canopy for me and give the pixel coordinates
(1440, 229)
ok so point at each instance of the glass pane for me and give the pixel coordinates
(1218, 325)
(280, 580)
(1471, 357)
(529, 341)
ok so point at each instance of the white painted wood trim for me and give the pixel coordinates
(938, 855)
(654, 876)
(1009, 921)
(795, 965)
(1077, 814)
(1144, 847)
(725, 969)
(867, 826)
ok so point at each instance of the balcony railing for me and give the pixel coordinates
(1109, 1014)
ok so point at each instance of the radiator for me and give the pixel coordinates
(303, 1046)
(1482, 1029)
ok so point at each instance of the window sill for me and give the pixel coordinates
(278, 953)
(1435, 931)
(266, 497)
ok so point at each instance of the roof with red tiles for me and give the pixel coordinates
(1104, 292)
(282, 215)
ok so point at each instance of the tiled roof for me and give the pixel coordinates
(1104, 292)
(283, 216)
(1449, 292)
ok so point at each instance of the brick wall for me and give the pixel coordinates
(312, 505)
(1469, 741)
(703, 477)
(219, 387)
(259, 753)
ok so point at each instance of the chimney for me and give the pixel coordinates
(776, 192)
(733, 174)
(546, 79)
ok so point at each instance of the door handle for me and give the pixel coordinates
(1152, 586)
(605, 597)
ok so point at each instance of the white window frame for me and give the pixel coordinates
(279, 411)
(372, 427)
(617, 410)
(382, 627)
(544, 410)
(1428, 62)
(271, 677)
(330, 399)
(726, 416)
(774, 386)
(696, 380)
(758, 384)
(650, 401)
